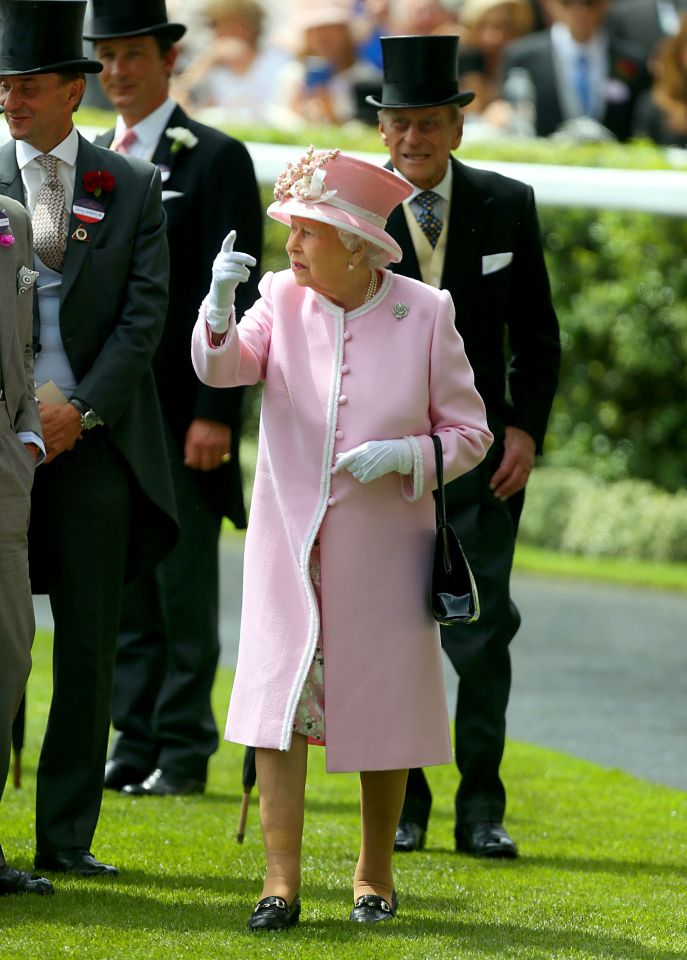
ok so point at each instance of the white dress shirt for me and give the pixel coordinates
(33, 174)
(148, 131)
(566, 52)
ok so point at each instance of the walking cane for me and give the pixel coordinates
(248, 781)
(18, 730)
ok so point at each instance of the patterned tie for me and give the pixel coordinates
(125, 142)
(50, 218)
(431, 225)
(581, 83)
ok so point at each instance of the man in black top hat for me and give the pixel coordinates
(475, 234)
(102, 506)
(168, 645)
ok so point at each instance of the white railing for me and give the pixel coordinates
(650, 191)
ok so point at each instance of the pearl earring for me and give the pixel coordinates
(351, 266)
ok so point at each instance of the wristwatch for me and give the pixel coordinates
(89, 418)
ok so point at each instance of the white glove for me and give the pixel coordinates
(228, 271)
(376, 458)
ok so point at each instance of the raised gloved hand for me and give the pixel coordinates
(376, 458)
(228, 271)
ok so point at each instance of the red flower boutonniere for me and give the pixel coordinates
(625, 69)
(6, 235)
(97, 181)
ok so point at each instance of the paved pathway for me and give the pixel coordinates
(599, 671)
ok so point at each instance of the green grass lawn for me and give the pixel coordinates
(602, 872)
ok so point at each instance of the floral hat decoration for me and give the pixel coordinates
(342, 191)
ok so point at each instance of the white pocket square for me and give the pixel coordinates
(25, 279)
(492, 262)
(170, 194)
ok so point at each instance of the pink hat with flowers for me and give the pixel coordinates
(344, 192)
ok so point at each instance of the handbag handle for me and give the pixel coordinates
(440, 501)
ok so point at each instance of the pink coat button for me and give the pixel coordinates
(339, 434)
(331, 502)
(345, 368)
(347, 335)
(343, 398)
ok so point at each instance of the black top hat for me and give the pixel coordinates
(420, 72)
(132, 18)
(43, 36)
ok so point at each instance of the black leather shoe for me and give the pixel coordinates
(485, 839)
(371, 909)
(274, 913)
(18, 881)
(161, 784)
(119, 775)
(409, 837)
(81, 863)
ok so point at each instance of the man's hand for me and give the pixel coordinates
(33, 450)
(516, 465)
(207, 444)
(61, 424)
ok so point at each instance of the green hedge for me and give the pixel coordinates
(574, 512)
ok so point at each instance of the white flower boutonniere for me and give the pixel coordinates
(181, 137)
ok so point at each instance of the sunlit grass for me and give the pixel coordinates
(602, 872)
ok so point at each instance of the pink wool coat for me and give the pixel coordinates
(394, 367)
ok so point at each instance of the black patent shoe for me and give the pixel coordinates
(274, 913)
(371, 909)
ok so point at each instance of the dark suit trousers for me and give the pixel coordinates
(16, 608)
(479, 653)
(78, 539)
(168, 646)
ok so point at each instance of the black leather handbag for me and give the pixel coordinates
(453, 594)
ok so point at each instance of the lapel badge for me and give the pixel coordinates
(400, 310)
(25, 279)
(81, 234)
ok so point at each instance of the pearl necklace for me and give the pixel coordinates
(372, 286)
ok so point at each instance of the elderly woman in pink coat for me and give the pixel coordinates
(360, 367)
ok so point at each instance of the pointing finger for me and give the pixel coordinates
(228, 242)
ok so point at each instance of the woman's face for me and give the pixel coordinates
(318, 258)
(494, 29)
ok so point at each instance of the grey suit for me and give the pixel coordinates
(18, 413)
(105, 509)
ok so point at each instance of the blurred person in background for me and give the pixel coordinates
(579, 69)
(488, 26)
(661, 112)
(645, 22)
(423, 17)
(318, 85)
(236, 73)
(373, 21)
